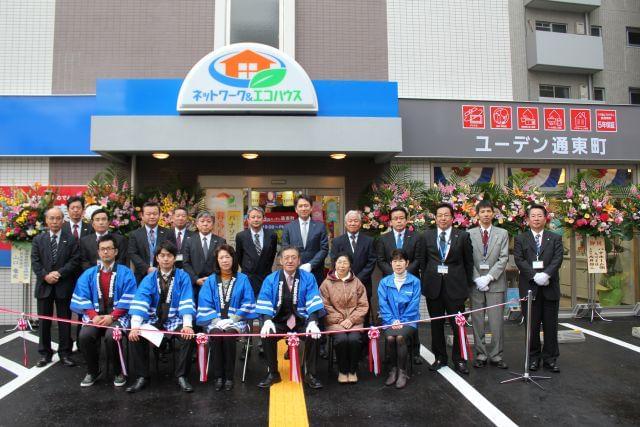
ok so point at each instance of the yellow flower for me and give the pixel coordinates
(587, 216)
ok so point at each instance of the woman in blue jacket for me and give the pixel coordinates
(399, 300)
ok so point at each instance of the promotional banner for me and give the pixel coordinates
(226, 205)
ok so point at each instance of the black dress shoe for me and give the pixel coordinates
(534, 365)
(184, 385)
(551, 366)
(312, 381)
(461, 367)
(479, 363)
(499, 364)
(437, 365)
(417, 360)
(67, 361)
(271, 378)
(219, 384)
(228, 385)
(139, 384)
(44, 361)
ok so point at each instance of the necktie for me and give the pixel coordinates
(152, 245)
(305, 224)
(75, 231)
(54, 247)
(179, 240)
(485, 241)
(443, 245)
(256, 242)
(537, 244)
(291, 321)
(399, 241)
(205, 246)
(353, 243)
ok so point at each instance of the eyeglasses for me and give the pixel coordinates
(108, 249)
(443, 216)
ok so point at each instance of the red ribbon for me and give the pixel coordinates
(294, 359)
(23, 324)
(374, 356)
(465, 349)
(117, 337)
(203, 362)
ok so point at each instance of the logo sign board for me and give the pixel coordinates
(580, 119)
(247, 77)
(606, 121)
(528, 118)
(501, 117)
(473, 117)
(554, 119)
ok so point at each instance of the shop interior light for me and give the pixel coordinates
(250, 156)
(338, 156)
(160, 156)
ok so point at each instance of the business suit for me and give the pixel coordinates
(197, 264)
(66, 263)
(84, 228)
(257, 267)
(546, 302)
(317, 246)
(89, 250)
(172, 237)
(139, 253)
(411, 243)
(497, 257)
(446, 293)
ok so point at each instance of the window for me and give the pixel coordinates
(554, 91)
(622, 176)
(633, 36)
(554, 27)
(634, 95)
(544, 178)
(255, 21)
(596, 30)
(598, 94)
(472, 174)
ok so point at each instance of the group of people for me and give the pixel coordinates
(182, 282)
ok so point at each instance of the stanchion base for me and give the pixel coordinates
(525, 377)
(591, 310)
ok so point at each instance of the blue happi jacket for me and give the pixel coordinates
(242, 302)
(402, 305)
(309, 300)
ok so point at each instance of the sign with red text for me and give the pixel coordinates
(606, 121)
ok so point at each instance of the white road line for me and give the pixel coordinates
(471, 394)
(603, 337)
(10, 337)
(13, 367)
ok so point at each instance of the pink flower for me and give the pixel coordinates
(581, 222)
(569, 193)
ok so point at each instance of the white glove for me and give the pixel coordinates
(541, 279)
(306, 267)
(313, 329)
(267, 327)
(224, 323)
(482, 283)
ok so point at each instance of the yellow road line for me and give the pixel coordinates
(286, 399)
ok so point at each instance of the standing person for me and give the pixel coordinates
(345, 300)
(256, 249)
(310, 237)
(179, 233)
(89, 244)
(225, 304)
(55, 261)
(446, 281)
(289, 301)
(76, 226)
(490, 258)
(538, 254)
(199, 260)
(102, 296)
(164, 299)
(399, 299)
(144, 241)
(402, 237)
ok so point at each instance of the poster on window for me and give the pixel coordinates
(596, 255)
(226, 206)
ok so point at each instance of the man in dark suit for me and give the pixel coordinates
(310, 237)
(55, 261)
(401, 237)
(75, 226)
(538, 255)
(179, 233)
(199, 261)
(256, 249)
(362, 251)
(447, 278)
(144, 241)
(89, 243)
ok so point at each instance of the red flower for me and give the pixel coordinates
(383, 218)
(604, 217)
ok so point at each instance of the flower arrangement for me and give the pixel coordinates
(22, 212)
(630, 203)
(460, 195)
(192, 201)
(513, 201)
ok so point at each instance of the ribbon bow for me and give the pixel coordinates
(117, 337)
(293, 341)
(465, 349)
(374, 357)
(203, 363)
(22, 326)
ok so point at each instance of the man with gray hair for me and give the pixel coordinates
(198, 251)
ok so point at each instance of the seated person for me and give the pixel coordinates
(102, 296)
(345, 300)
(289, 301)
(164, 300)
(225, 304)
(399, 300)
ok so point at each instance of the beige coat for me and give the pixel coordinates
(344, 300)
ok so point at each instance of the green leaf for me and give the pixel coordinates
(267, 78)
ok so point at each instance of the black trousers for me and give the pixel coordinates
(45, 308)
(348, 348)
(183, 349)
(89, 344)
(439, 307)
(396, 344)
(544, 312)
(224, 354)
(311, 348)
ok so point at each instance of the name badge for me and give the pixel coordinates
(443, 269)
(538, 265)
(484, 267)
(179, 257)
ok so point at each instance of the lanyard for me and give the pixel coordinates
(443, 255)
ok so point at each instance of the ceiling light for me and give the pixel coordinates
(160, 156)
(338, 156)
(250, 156)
